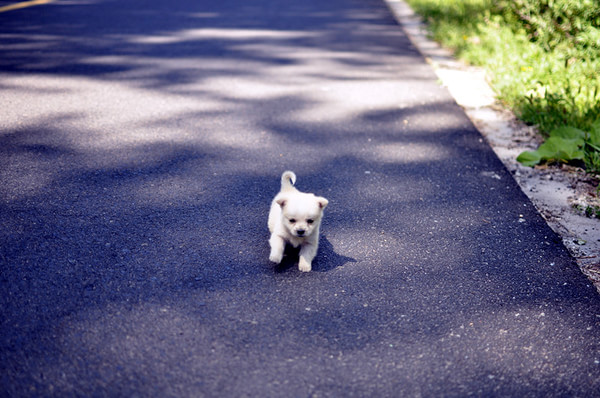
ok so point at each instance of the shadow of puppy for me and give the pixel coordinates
(327, 259)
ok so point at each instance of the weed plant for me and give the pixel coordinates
(542, 56)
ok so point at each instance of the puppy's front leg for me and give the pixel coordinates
(277, 247)
(307, 254)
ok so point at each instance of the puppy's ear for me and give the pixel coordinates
(281, 201)
(322, 202)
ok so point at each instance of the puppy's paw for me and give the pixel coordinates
(276, 257)
(304, 265)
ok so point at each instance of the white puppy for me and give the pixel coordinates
(295, 218)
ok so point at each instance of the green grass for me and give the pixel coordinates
(542, 56)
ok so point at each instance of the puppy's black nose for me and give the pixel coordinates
(300, 232)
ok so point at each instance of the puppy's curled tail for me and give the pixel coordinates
(288, 179)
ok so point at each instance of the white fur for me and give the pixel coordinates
(295, 218)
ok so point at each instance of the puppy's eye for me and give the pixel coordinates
(310, 221)
(292, 220)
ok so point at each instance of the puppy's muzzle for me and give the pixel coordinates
(300, 232)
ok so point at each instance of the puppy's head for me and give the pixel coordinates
(302, 212)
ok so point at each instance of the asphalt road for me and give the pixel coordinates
(140, 146)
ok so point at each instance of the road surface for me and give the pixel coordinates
(140, 146)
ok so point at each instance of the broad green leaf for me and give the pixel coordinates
(529, 158)
(567, 132)
(556, 148)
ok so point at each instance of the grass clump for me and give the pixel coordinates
(542, 56)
